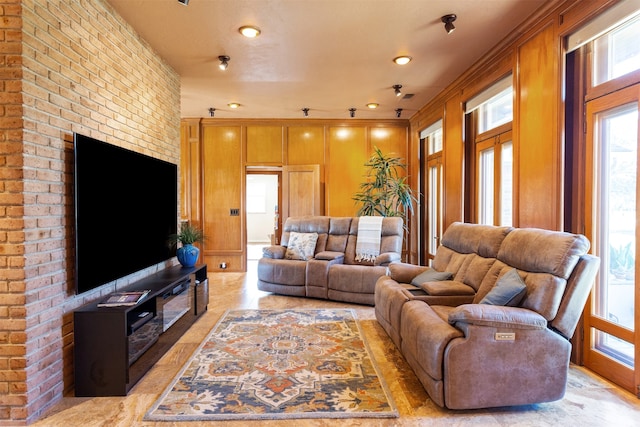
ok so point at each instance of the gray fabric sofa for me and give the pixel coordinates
(332, 272)
(467, 349)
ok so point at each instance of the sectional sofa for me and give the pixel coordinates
(489, 323)
(330, 267)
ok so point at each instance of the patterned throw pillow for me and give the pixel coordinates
(301, 246)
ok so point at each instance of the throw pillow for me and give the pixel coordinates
(431, 275)
(508, 290)
(301, 246)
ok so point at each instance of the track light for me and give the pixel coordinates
(352, 112)
(224, 62)
(212, 111)
(184, 2)
(398, 112)
(305, 111)
(396, 89)
(448, 22)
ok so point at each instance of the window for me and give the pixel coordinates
(617, 53)
(431, 185)
(491, 115)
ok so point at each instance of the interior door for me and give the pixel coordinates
(300, 191)
(611, 342)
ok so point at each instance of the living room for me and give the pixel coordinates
(64, 73)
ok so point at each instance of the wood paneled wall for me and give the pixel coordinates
(213, 173)
(533, 55)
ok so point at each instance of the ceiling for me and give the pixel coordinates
(325, 55)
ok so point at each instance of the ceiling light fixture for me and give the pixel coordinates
(396, 89)
(212, 112)
(373, 105)
(233, 105)
(448, 22)
(352, 112)
(249, 31)
(305, 111)
(402, 60)
(184, 2)
(224, 62)
(398, 112)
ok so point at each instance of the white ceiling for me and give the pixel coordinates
(326, 55)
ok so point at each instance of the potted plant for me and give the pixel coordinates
(188, 235)
(385, 192)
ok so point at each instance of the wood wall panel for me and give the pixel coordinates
(390, 140)
(305, 145)
(345, 168)
(453, 159)
(536, 132)
(223, 176)
(264, 145)
(190, 209)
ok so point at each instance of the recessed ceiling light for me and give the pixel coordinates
(372, 105)
(233, 105)
(249, 31)
(402, 60)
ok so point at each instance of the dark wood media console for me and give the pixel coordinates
(115, 346)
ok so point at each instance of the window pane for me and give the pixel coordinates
(506, 184)
(617, 52)
(613, 347)
(433, 214)
(496, 111)
(434, 141)
(486, 192)
(617, 138)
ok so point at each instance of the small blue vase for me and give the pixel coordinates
(188, 255)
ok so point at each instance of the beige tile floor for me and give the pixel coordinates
(589, 400)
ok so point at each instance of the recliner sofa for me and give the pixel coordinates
(332, 271)
(466, 349)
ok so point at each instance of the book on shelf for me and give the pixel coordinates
(129, 298)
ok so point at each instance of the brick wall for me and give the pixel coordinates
(65, 66)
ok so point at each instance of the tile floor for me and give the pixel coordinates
(589, 400)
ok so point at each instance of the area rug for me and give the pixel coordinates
(278, 364)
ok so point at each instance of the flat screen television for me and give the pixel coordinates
(126, 206)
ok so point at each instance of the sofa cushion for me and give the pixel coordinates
(431, 275)
(301, 245)
(509, 290)
(543, 251)
(329, 255)
(447, 288)
(497, 317)
(274, 252)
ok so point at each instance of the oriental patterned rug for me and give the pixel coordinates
(278, 364)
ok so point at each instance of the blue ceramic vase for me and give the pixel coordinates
(188, 255)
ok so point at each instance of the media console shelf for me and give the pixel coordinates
(115, 346)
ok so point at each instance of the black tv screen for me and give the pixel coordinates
(126, 206)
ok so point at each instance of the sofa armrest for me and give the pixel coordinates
(386, 258)
(274, 252)
(497, 316)
(403, 273)
(329, 256)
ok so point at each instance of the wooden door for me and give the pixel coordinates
(300, 191)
